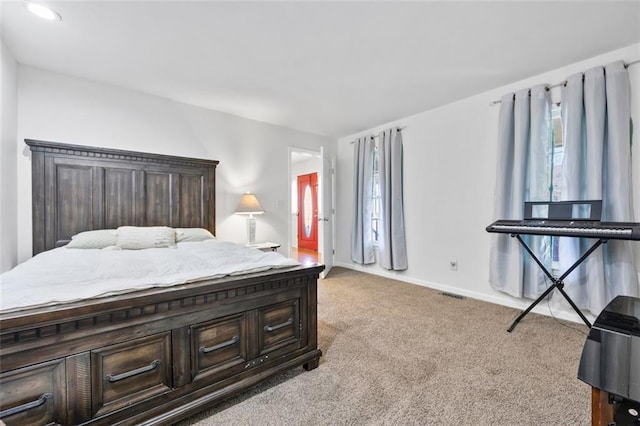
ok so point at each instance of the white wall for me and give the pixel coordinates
(253, 155)
(449, 175)
(8, 155)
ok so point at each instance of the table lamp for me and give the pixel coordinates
(249, 205)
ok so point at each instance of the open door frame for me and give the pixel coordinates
(326, 212)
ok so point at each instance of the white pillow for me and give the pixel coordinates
(97, 239)
(138, 238)
(193, 234)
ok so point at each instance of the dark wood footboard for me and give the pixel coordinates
(156, 356)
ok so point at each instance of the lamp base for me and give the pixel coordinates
(251, 231)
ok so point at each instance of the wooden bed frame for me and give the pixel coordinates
(154, 356)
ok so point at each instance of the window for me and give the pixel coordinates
(375, 198)
(556, 178)
(558, 153)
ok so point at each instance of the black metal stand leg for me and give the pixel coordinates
(557, 283)
(573, 305)
(531, 306)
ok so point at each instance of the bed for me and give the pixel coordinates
(161, 351)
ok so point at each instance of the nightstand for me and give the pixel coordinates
(266, 246)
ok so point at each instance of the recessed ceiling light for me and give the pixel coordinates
(42, 11)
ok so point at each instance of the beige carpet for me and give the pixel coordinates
(401, 354)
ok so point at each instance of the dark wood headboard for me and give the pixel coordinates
(79, 188)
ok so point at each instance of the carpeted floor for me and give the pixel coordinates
(401, 354)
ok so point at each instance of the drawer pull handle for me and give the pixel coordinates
(206, 350)
(117, 377)
(24, 407)
(279, 326)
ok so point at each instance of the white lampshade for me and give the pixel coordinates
(249, 204)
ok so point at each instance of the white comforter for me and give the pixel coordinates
(68, 275)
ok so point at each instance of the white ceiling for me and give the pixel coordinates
(331, 68)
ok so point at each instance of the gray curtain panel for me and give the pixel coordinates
(361, 232)
(596, 119)
(523, 174)
(392, 246)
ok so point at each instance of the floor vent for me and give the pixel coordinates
(455, 296)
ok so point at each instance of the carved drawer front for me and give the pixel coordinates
(279, 326)
(219, 345)
(129, 372)
(34, 395)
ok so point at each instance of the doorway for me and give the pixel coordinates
(311, 202)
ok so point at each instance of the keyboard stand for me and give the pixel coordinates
(558, 283)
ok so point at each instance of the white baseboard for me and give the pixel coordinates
(505, 300)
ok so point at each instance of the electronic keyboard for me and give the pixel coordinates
(579, 218)
(569, 228)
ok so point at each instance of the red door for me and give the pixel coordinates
(308, 211)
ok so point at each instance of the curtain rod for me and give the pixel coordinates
(562, 83)
(397, 128)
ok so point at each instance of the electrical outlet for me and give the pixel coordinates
(453, 265)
